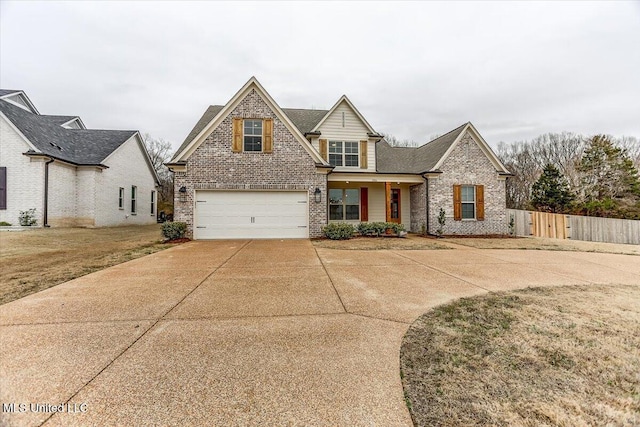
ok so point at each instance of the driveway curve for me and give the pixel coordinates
(272, 332)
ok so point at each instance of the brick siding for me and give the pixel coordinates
(214, 166)
(467, 164)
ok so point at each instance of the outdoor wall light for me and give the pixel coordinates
(183, 194)
(317, 195)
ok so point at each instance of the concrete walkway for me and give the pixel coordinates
(250, 332)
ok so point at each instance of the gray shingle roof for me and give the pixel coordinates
(59, 120)
(304, 120)
(78, 146)
(414, 159)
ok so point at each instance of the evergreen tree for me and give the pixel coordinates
(550, 192)
(610, 183)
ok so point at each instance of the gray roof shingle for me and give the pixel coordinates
(414, 160)
(304, 120)
(78, 146)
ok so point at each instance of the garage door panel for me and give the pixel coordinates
(251, 214)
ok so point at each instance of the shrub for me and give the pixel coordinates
(5, 224)
(378, 228)
(394, 227)
(338, 231)
(28, 218)
(174, 230)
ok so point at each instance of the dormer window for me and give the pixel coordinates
(344, 153)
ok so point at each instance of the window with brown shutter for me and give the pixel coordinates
(324, 149)
(363, 154)
(480, 202)
(364, 204)
(236, 145)
(3, 187)
(457, 202)
(268, 135)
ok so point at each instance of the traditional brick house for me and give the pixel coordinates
(70, 175)
(250, 169)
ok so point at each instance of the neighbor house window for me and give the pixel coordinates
(344, 153)
(153, 202)
(252, 135)
(121, 198)
(344, 204)
(134, 194)
(468, 200)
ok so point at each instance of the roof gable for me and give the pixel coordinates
(47, 135)
(188, 147)
(19, 98)
(486, 149)
(344, 100)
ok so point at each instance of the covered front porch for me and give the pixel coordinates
(361, 197)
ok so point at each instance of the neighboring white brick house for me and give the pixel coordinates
(83, 169)
(247, 168)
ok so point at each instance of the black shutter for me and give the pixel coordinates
(3, 187)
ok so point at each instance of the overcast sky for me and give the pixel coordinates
(516, 70)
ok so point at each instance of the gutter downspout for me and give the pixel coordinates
(46, 192)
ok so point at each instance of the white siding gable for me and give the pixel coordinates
(343, 124)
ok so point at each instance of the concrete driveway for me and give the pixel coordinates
(249, 332)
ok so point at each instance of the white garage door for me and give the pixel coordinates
(251, 214)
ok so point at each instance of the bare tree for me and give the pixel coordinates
(160, 152)
(395, 142)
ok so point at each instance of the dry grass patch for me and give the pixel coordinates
(546, 244)
(565, 356)
(377, 243)
(37, 259)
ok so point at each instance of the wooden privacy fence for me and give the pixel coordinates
(589, 228)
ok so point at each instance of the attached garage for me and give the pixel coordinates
(251, 214)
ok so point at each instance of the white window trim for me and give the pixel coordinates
(134, 200)
(344, 154)
(121, 198)
(474, 203)
(261, 136)
(344, 205)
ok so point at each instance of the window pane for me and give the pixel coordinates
(351, 147)
(253, 127)
(468, 211)
(350, 160)
(335, 212)
(352, 212)
(335, 159)
(253, 143)
(352, 196)
(335, 146)
(468, 193)
(335, 196)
